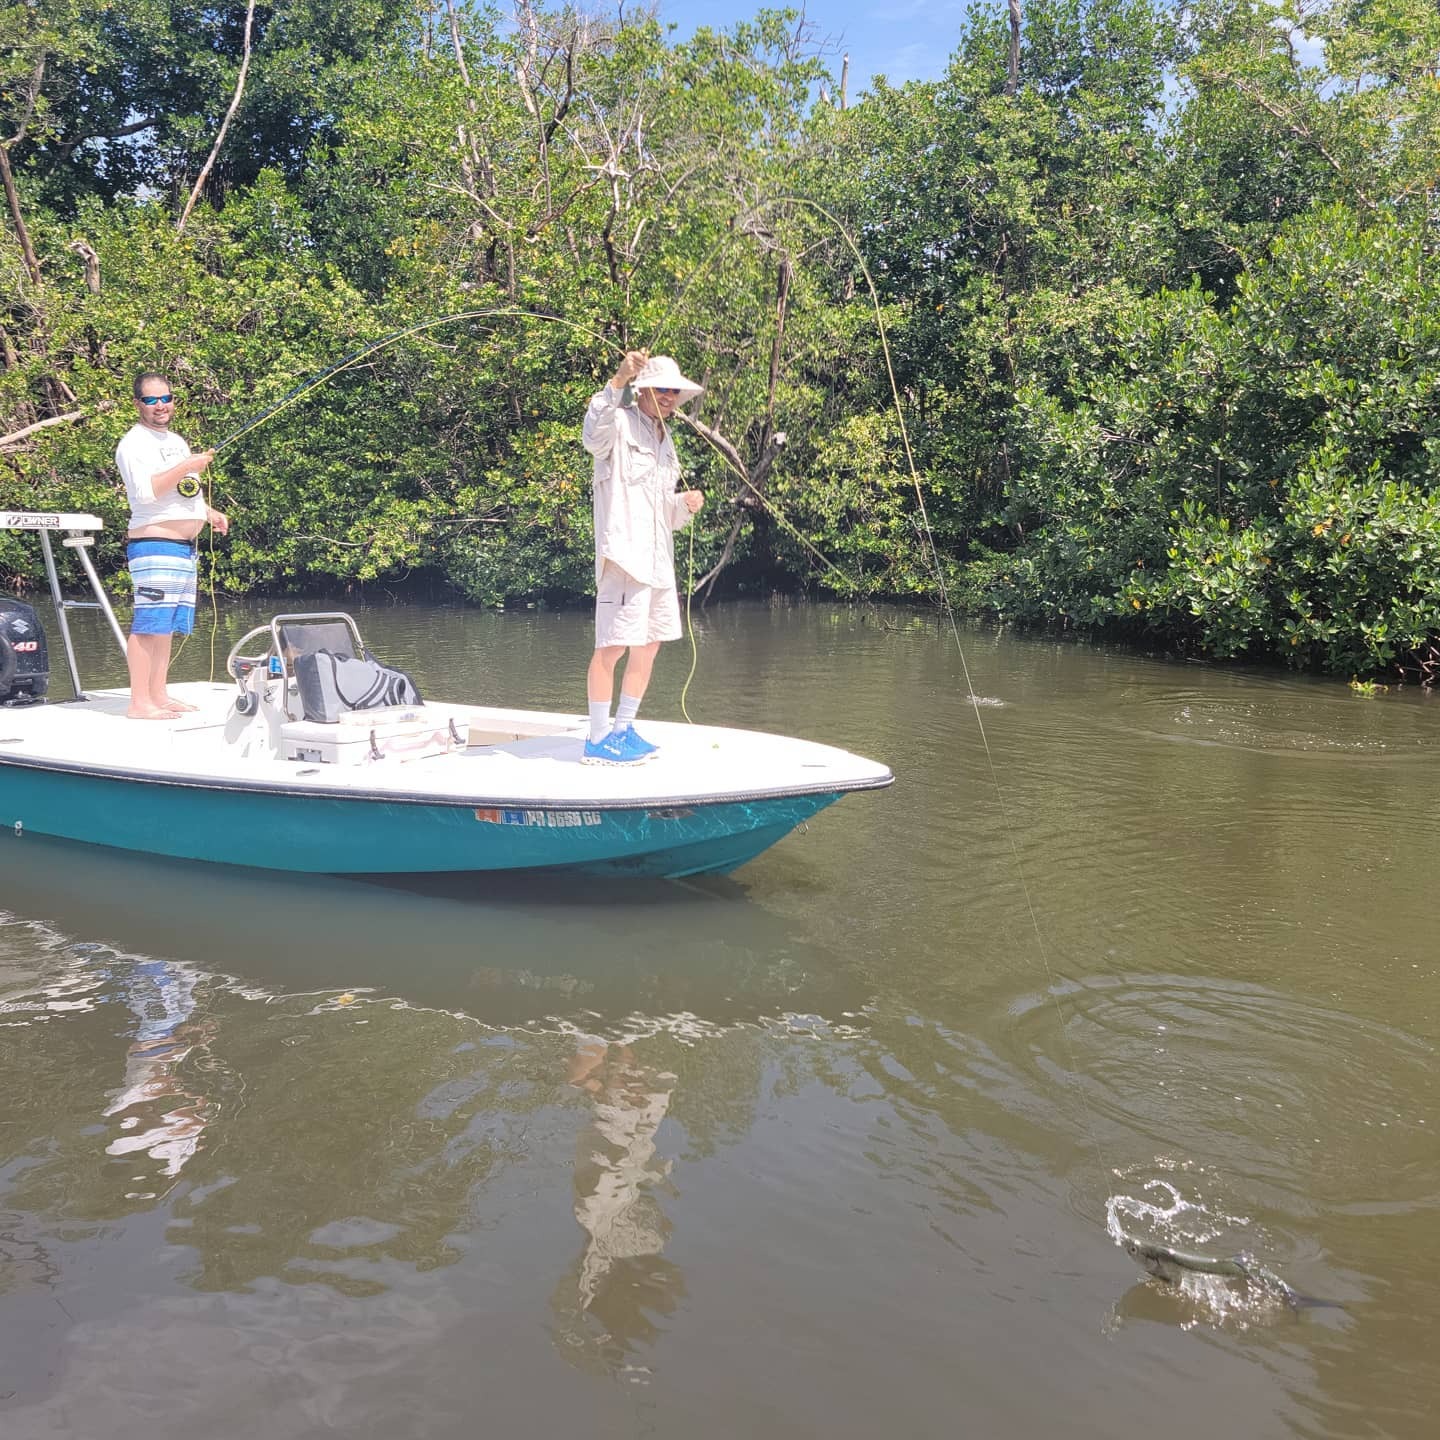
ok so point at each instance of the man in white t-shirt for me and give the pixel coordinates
(167, 511)
(638, 508)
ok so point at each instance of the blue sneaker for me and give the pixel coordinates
(612, 750)
(635, 747)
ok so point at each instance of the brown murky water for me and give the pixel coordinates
(826, 1149)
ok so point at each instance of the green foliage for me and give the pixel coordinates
(1259, 480)
(1160, 341)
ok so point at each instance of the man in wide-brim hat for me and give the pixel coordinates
(638, 508)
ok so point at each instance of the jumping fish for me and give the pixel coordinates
(1167, 1263)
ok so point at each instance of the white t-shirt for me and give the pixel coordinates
(143, 453)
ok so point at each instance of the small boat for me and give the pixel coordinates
(431, 787)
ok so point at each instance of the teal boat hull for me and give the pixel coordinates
(270, 828)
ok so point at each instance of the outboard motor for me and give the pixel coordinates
(24, 659)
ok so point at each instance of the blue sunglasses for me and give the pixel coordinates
(156, 399)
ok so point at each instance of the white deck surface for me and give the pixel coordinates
(696, 763)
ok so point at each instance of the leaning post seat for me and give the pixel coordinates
(337, 705)
(336, 637)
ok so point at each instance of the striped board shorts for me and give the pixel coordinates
(163, 573)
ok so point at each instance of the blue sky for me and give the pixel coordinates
(902, 40)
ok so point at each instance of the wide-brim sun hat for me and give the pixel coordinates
(662, 373)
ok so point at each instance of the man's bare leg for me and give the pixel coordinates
(159, 689)
(160, 674)
(148, 659)
(638, 668)
(600, 677)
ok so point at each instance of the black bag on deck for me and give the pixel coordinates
(332, 684)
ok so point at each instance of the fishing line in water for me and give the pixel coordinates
(949, 610)
(690, 630)
(945, 601)
(1180, 1260)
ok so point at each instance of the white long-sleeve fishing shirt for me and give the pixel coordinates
(637, 503)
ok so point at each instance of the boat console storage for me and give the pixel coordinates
(310, 691)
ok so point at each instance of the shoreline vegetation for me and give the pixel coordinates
(1160, 285)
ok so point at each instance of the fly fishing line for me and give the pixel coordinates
(946, 604)
(346, 362)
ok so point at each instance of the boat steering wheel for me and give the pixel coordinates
(240, 665)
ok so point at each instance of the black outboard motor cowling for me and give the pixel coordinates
(24, 659)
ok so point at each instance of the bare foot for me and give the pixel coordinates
(176, 707)
(148, 712)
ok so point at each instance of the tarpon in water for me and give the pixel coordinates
(1167, 1263)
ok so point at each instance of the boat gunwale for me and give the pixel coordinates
(456, 802)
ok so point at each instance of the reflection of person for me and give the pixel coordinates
(620, 1275)
(167, 511)
(162, 994)
(637, 511)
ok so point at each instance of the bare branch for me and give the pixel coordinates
(66, 145)
(32, 99)
(782, 298)
(1012, 68)
(707, 581)
(205, 169)
(718, 441)
(22, 233)
(16, 436)
(91, 262)
(468, 139)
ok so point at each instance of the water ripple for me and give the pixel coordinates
(1288, 1093)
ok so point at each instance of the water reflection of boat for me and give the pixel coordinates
(693, 957)
(499, 1029)
(287, 769)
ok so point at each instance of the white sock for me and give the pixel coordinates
(599, 720)
(626, 710)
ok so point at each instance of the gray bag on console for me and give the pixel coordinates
(332, 684)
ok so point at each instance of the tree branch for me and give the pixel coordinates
(1012, 68)
(66, 145)
(12, 198)
(15, 436)
(32, 99)
(782, 296)
(224, 124)
(91, 262)
(707, 581)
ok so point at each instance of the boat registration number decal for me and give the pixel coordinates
(546, 819)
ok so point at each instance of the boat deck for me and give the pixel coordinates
(512, 758)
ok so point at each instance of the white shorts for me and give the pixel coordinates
(629, 613)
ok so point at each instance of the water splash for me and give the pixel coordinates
(1190, 1225)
